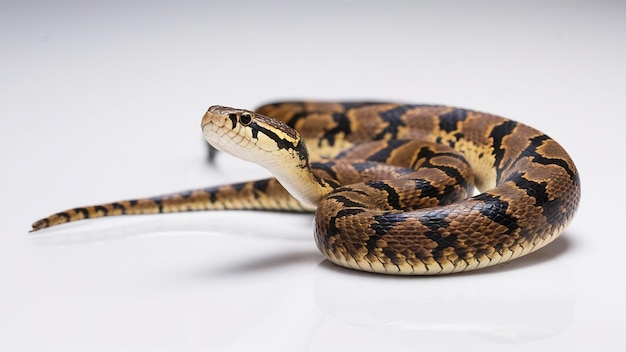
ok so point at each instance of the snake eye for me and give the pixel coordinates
(245, 119)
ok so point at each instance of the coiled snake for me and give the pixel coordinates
(391, 183)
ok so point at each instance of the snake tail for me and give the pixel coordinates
(265, 194)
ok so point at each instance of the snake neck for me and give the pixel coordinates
(296, 176)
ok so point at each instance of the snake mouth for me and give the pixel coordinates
(222, 128)
(217, 120)
(211, 114)
(214, 133)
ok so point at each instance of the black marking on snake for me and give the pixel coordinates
(326, 167)
(454, 156)
(100, 208)
(393, 198)
(261, 186)
(531, 151)
(133, 202)
(333, 230)
(233, 119)
(454, 173)
(495, 209)
(427, 189)
(450, 121)
(347, 202)
(385, 153)
(424, 153)
(442, 241)
(349, 189)
(282, 143)
(302, 152)
(385, 223)
(533, 189)
(212, 192)
(185, 194)
(293, 120)
(381, 226)
(363, 166)
(349, 212)
(395, 114)
(64, 215)
(119, 206)
(551, 208)
(159, 202)
(560, 162)
(239, 186)
(342, 126)
(83, 211)
(457, 137)
(554, 211)
(449, 194)
(436, 219)
(393, 119)
(327, 181)
(497, 134)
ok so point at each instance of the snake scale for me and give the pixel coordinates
(392, 185)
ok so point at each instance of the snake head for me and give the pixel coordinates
(251, 136)
(267, 142)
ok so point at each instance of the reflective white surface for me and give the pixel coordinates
(102, 102)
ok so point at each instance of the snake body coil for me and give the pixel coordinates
(391, 184)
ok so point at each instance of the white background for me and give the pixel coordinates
(101, 101)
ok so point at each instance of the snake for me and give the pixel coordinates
(396, 188)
